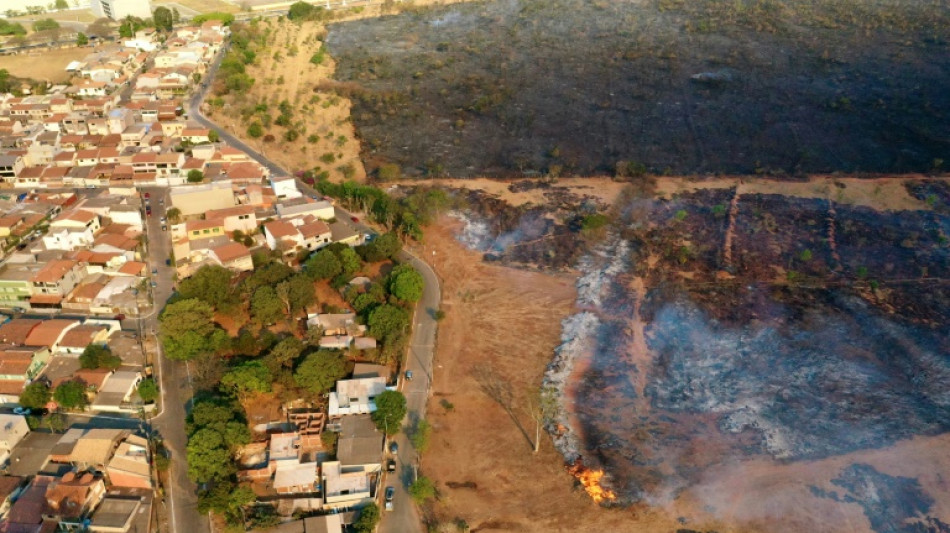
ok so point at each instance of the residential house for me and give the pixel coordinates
(22, 363)
(240, 217)
(116, 394)
(356, 396)
(28, 510)
(360, 444)
(16, 284)
(198, 199)
(129, 466)
(10, 488)
(320, 209)
(285, 187)
(74, 495)
(52, 283)
(12, 430)
(233, 256)
(10, 167)
(345, 486)
(17, 330)
(49, 332)
(75, 341)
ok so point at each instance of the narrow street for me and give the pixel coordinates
(180, 493)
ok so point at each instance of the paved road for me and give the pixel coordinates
(175, 381)
(405, 517)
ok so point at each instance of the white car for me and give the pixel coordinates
(390, 492)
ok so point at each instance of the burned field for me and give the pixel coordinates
(512, 87)
(773, 327)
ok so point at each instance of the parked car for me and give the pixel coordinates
(390, 492)
(147, 195)
(154, 284)
(354, 219)
(154, 271)
(164, 227)
(393, 448)
(120, 317)
(391, 465)
(21, 411)
(168, 262)
(408, 375)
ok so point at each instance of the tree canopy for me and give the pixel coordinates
(406, 284)
(148, 390)
(390, 410)
(296, 293)
(266, 307)
(188, 329)
(320, 370)
(387, 321)
(369, 518)
(71, 395)
(36, 395)
(162, 16)
(99, 356)
(224, 18)
(246, 378)
(211, 284)
(208, 457)
(323, 265)
(45, 24)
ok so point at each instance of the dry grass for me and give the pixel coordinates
(201, 6)
(74, 15)
(292, 78)
(46, 65)
(509, 321)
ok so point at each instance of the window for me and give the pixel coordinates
(207, 231)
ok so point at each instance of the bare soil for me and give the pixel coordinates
(281, 75)
(46, 65)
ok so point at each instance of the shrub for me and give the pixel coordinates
(389, 172)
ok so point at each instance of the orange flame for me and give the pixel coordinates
(591, 481)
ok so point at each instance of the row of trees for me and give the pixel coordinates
(405, 215)
(232, 75)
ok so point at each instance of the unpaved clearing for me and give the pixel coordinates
(506, 323)
(44, 65)
(326, 139)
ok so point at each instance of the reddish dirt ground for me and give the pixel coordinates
(509, 321)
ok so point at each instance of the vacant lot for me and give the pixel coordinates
(45, 65)
(318, 133)
(570, 86)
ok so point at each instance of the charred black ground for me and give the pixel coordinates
(574, 86)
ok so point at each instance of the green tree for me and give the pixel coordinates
(323, 265)
(420, 436)
(246, 378)
(225, 18)
(284, 354)
(300, 11)
(45, 24)
(174, 215)
(36, 395)
(384, 247)
(208, 457)
(349, 261)
(422, 489)
(71, 395)
(187, 327)
(57, 422)
(407, 284)
(389, 172)
(296, 293)
(390, 410)
(210, 284)
(255, 130)
(176, 16)
(319, 371)
(61, 4)
(163, 19)
(387, 321)
(369, 518)
(266, 307)
(99, 356)
(126, 30)
(82, 39)
(213, 136)
(195, 176)
(148, 390)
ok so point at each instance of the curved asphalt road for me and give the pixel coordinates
(405, 517)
